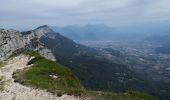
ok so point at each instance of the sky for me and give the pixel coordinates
(19, 14)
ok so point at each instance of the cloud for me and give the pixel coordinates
(31, 13)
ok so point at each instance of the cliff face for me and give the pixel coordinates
(12, 41)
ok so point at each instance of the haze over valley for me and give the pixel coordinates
(141, 49)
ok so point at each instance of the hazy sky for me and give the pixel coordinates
(31, 13)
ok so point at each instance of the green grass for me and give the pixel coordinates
(38, 76)
(3, 83)
(2, 63)
(131, 95)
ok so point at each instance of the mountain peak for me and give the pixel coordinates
(43, 26)
(44, 29)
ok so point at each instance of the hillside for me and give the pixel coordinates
(45, 79)
(87, 64)
(90, 67)
(12, 90)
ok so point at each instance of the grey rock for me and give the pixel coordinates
(12, 41)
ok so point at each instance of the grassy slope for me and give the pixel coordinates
(2, 63)
(39, 76)
(2, 82)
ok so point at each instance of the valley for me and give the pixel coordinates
(140, 55)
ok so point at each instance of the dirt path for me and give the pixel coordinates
(16, 91)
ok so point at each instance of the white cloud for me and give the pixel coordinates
(63, 12)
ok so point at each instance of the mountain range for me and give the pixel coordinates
(88, 64)
(87, 32)
(100, 32)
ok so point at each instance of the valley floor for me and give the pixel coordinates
(11, 90)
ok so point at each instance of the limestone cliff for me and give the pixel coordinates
(13, 41)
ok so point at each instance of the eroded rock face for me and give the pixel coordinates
(12, 41)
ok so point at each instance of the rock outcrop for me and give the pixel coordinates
(14, 41)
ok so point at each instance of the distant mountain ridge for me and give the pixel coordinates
(87, 32)
(103, 32)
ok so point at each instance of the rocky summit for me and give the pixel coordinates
(12, 41)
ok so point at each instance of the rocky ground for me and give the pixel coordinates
(16, 91)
